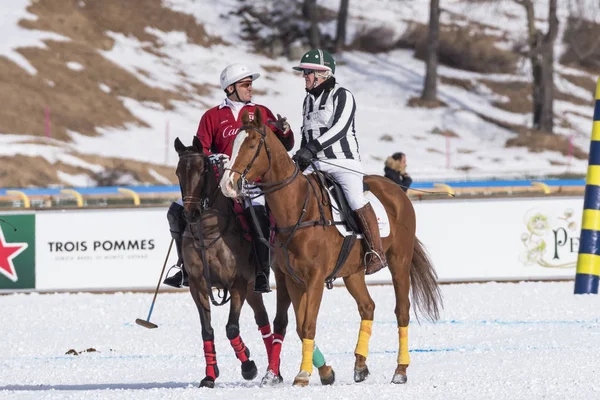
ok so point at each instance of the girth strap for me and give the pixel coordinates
(344, 252)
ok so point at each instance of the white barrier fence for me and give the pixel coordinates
(119, 249)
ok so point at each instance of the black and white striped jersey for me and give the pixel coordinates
(328, 117)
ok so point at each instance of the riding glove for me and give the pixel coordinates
(305, 154)
(216, 157)
(281, 124)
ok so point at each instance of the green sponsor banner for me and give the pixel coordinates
(17, 251)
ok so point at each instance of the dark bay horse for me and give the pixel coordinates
(216, 255)
(227, 264)
(308, 246)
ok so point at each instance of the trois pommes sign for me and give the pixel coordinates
(101, 248)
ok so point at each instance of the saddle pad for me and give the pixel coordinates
(382, 217)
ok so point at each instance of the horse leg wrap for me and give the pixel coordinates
(267, 339)
(276, 353)
(240, 348)
(308, 346)
(211, 359)
(403, 356)
(318, 358)
(364, 335)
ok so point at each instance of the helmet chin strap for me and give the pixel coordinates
(234, 92)
(320, 74)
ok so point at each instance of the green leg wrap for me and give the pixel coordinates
(318, 359)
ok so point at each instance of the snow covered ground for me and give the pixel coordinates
(493, 341)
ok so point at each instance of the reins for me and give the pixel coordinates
(272, 187)
(203, 205)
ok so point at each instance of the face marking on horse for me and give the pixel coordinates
(228, 186)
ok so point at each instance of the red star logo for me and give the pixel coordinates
(7, 253)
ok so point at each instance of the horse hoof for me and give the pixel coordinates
(328, 379)
(301, 379)
(207, 382)
(399, 379)
(249, 370)
(270, 379)
(360, 374)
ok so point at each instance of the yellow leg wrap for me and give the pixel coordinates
(308, 347)
(364, 335)
(403, 356)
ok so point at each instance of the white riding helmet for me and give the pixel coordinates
(234, 73)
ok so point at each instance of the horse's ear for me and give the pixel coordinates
(179, 147)
(245, 118)
(258, 117)
(197, 143)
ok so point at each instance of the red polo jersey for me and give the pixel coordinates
(218, 128)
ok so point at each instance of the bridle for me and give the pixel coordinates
(203, 204)
(273, 187)
(266, 188)
(204, 201)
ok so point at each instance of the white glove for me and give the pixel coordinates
(219, 156)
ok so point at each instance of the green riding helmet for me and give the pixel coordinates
(318, 60)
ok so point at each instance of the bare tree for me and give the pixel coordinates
(582, 32)
(340, 34)
(309, 11)
(431, 59)
(541, 56)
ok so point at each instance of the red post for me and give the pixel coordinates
(570, 156)
(447, 151)
(167, 142)
(47, 120)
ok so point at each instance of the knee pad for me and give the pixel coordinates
(176, 219)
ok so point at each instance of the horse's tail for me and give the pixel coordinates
(426, 295)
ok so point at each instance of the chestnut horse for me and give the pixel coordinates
(307, 245)
(216, 255)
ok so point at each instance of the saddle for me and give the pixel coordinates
(335, 189)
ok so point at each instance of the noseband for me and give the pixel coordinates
(265, 187)
(204, 201)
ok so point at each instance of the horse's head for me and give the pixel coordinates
(250, 158)
(192, 173)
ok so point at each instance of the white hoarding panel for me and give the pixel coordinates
(468, 240)
(499, 239)
(504, 239)
(116, 248)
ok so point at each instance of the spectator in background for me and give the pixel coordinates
(395, 169)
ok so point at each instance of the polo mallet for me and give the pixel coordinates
(146, 323)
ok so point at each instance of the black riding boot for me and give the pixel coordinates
(261, 251)
(177, 226)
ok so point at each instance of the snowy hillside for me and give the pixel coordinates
(173, 63)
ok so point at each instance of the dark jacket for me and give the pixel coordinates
(403, 180)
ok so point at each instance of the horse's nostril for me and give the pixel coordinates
(239, 185)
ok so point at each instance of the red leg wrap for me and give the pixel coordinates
(275, 354)
(268, 339)
(211, 358)
(239, 347)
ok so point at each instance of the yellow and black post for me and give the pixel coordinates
(588, 261)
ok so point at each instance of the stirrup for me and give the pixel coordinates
(382, 264)
(264, 287)
(178, 279)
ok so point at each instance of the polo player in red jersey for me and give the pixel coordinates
(217, 131)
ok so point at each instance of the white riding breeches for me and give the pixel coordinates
(349, 174)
